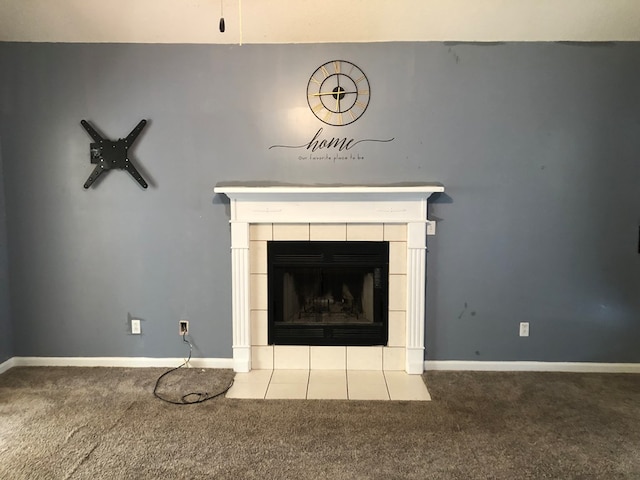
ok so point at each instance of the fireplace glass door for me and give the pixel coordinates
(328, 293)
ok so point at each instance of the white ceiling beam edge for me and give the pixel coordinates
(306, 21)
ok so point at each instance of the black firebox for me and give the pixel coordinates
(328, 293)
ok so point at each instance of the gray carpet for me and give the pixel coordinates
(102, 423)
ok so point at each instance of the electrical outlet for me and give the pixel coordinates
(135, 327)
(184, 327)
(524, 329)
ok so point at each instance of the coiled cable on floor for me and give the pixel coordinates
(186, 399)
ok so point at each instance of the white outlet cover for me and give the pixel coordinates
(524, 329)
(135, 327)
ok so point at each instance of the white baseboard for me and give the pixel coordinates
(429, 365)
(4, 366)
(129, 362)
(575, 367)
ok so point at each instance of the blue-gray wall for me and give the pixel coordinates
(538, 146)
(6, 340)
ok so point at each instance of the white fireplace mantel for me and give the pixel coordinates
(404, 204)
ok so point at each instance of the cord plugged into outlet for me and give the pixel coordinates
(184, 327)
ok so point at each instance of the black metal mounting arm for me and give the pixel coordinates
(109, 154)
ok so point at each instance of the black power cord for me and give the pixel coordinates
(200, 397)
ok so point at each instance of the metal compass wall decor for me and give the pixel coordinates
(110, 154)
(338, 93)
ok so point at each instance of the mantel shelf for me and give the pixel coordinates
(236, 190)
(277, 203)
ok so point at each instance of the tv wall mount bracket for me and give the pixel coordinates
(109, 154)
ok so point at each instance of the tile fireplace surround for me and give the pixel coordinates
(393, 213)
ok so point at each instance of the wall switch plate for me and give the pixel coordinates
(524, 329)
(184, 327)
(135, 327)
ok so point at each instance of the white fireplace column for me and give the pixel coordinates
(240, 288)
(416, 282)
(275, 204)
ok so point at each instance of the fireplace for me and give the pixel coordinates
(391, 214)
(328, 293)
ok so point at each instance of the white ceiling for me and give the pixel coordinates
(317, 21)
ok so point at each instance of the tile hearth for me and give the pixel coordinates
(329, 385)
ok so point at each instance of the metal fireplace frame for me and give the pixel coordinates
(325, 257)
